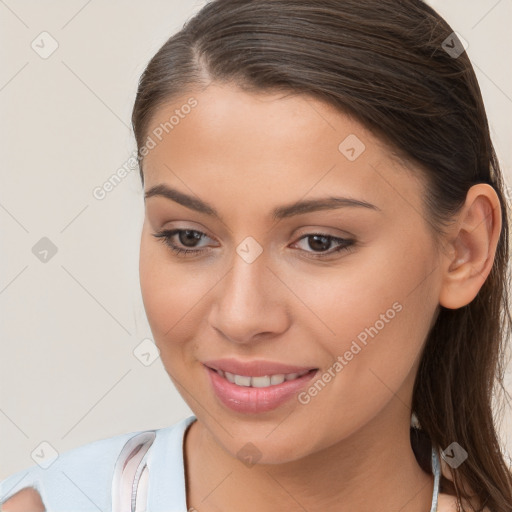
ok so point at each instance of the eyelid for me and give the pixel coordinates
(312, 230)
(344, 244)
(175, 231)
(189, 227)
(307, 230)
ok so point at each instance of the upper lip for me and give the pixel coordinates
(256, 368)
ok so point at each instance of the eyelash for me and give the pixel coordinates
(166, 235)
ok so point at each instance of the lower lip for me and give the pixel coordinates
(254, 400)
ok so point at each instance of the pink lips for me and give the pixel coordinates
(254, 368)
(248, 399)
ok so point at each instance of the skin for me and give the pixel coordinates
(246, 154)
(26, 500)
(348, 448)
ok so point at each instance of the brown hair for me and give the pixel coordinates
(394, 66)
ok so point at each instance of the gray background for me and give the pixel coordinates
(70, 324)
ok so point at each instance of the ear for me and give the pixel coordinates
(471, 247)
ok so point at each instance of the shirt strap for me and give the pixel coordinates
(436, 470)
(130, 471)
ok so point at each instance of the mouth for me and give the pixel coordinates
(262, 390)
(257, 385)
(262, 381)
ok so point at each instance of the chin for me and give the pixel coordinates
(261, 448)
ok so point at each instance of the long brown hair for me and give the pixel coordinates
(398, 68)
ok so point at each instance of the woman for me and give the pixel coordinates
(324, 268)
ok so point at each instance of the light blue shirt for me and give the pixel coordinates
(80, 480)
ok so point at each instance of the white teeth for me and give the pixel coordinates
(230, 377)
(260, 382)
(242, 380)
(277, 379)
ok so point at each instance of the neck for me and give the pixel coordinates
(375, 468)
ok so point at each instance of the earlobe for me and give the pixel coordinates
(472, 248)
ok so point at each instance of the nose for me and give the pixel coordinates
(250, 303)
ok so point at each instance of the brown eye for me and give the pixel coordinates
(189, 237)
(186, 238)
(320, 244)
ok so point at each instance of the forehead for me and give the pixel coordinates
(259, 144)
(273, 122)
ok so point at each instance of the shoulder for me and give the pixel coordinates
(79, 471)
(81, 476)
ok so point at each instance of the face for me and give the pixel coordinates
(345, 291)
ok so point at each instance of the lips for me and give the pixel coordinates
(255, 399)
(258, 368)
(256, 386)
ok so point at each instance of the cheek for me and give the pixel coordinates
(169, 293)
(388, 287)
(376, 314)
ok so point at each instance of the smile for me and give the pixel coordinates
(257, 393)
(263, 381)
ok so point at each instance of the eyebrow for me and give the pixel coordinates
(280, 212)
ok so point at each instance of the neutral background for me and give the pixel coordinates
(72, 317)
